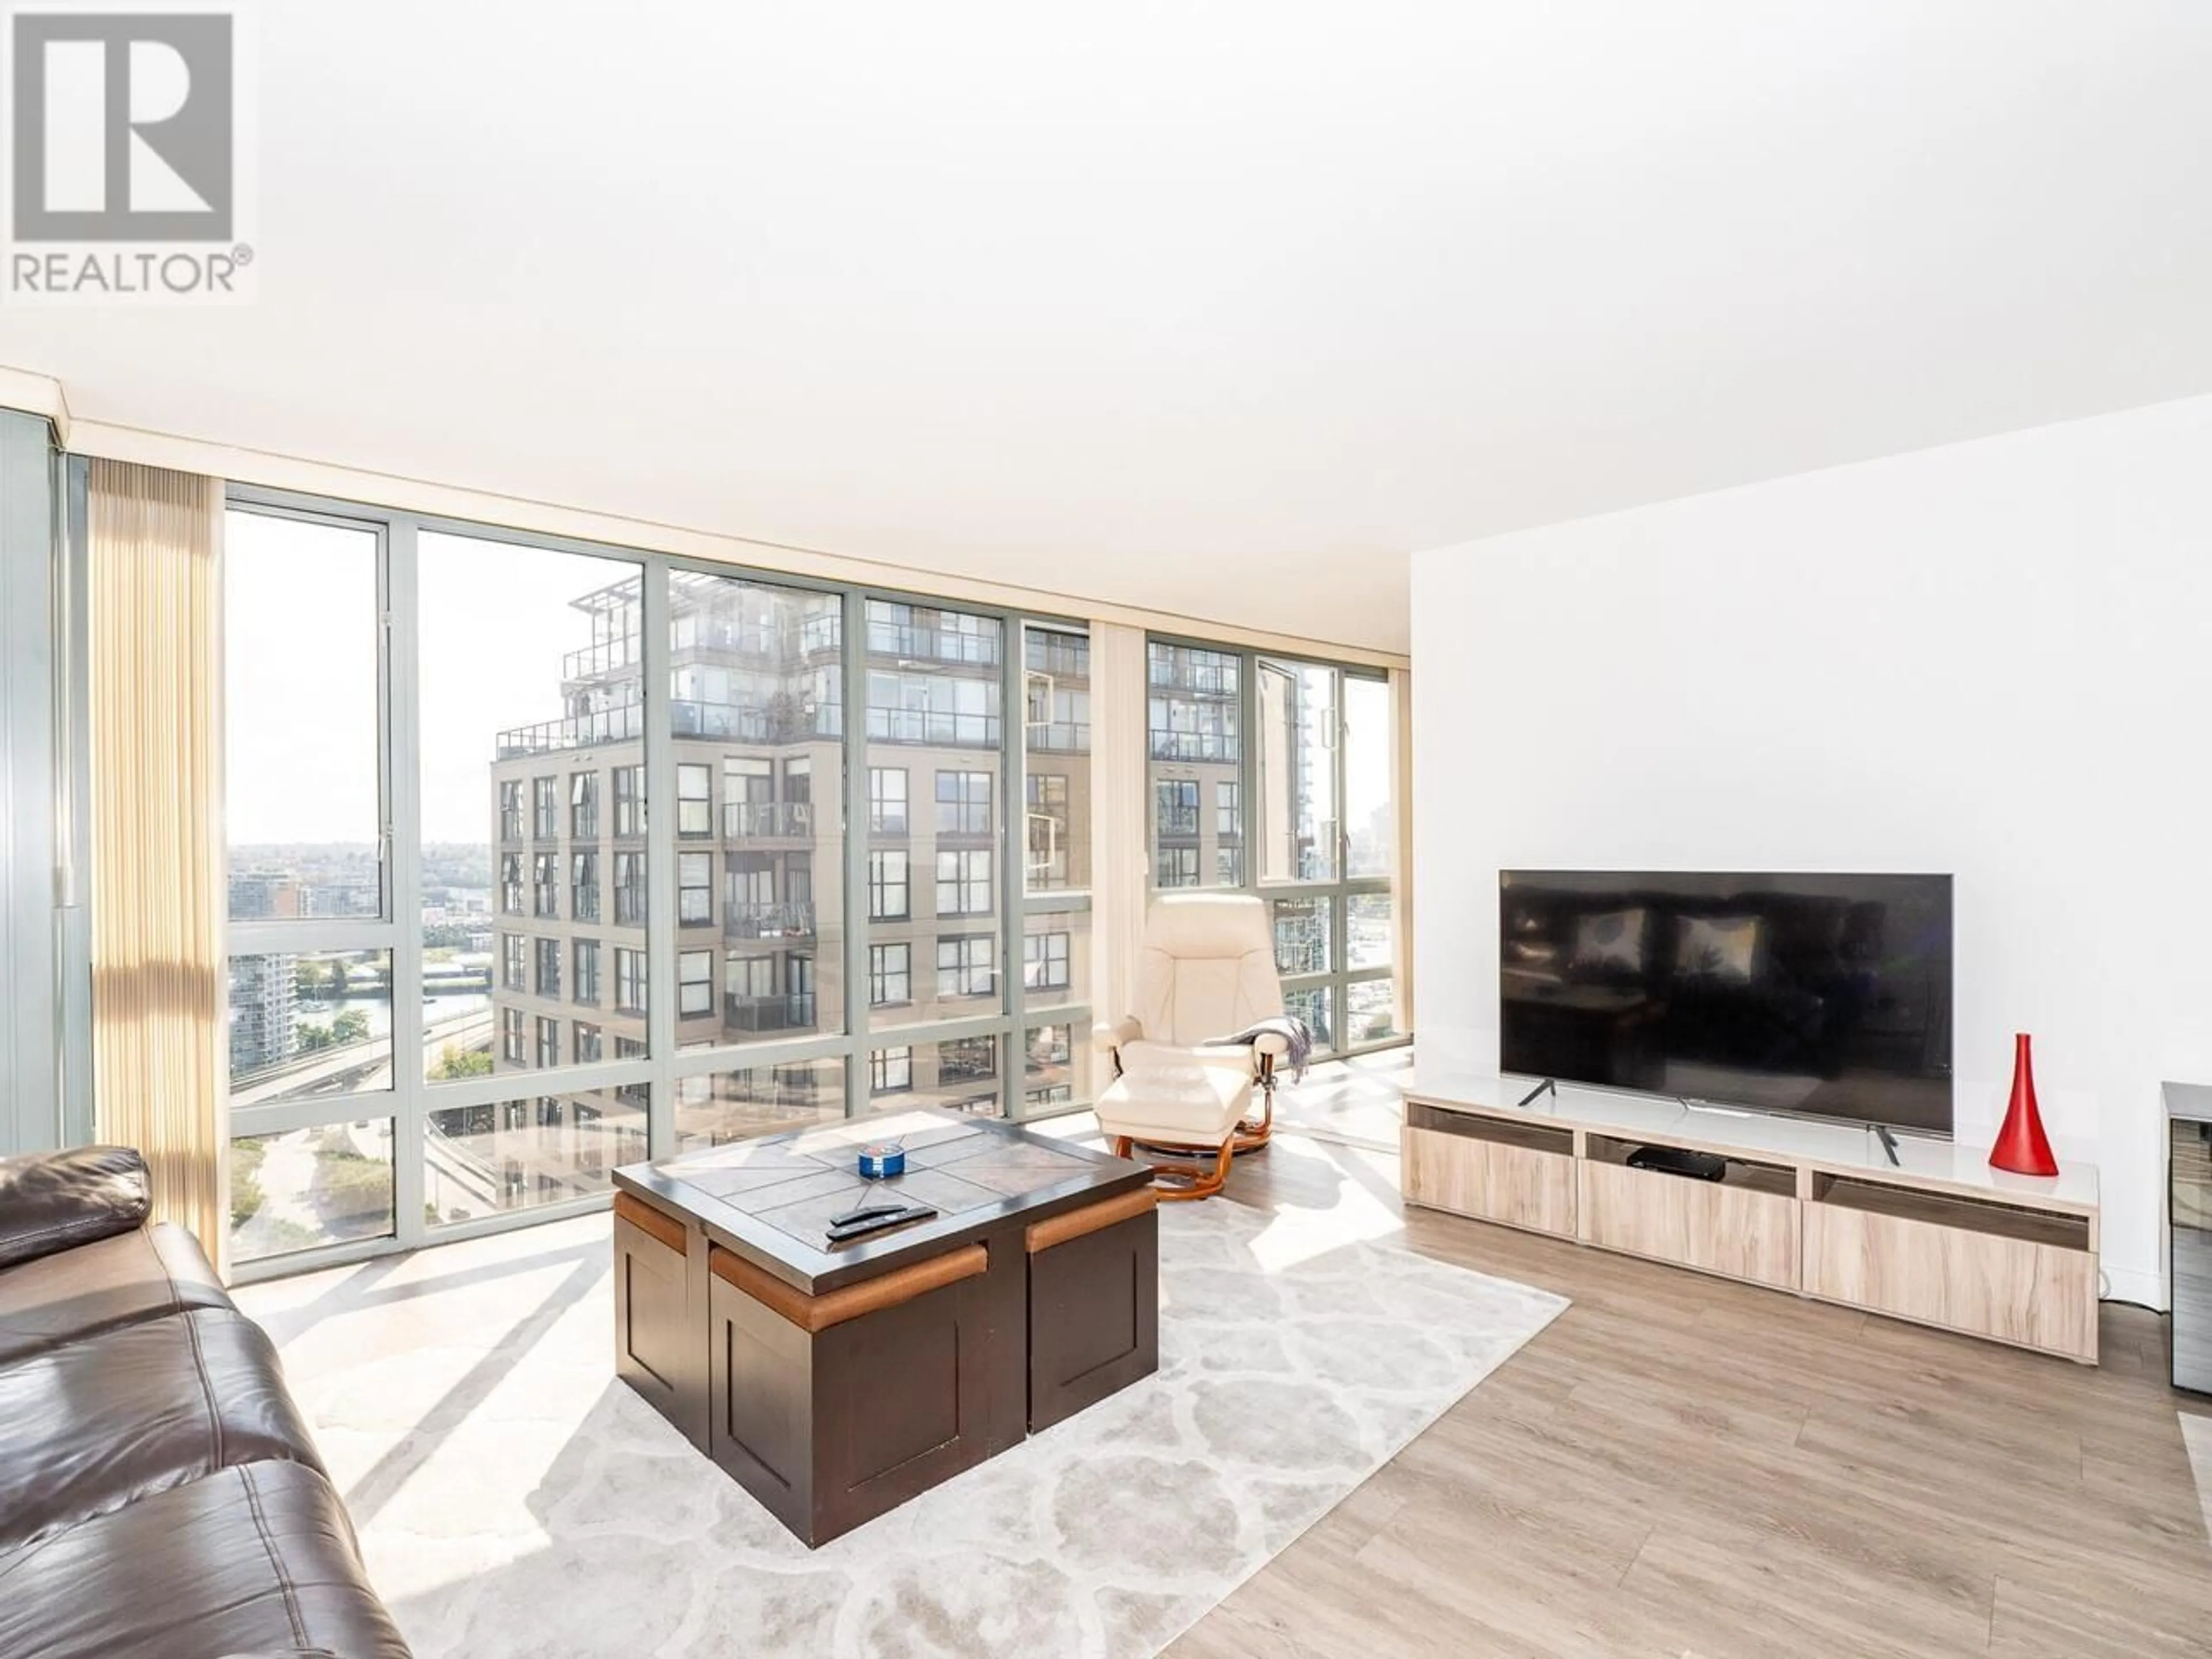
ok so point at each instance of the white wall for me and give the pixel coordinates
(1993, 659)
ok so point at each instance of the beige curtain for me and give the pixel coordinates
(1121, 858)
(156, 663)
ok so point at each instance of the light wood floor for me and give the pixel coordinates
(1681, 1465)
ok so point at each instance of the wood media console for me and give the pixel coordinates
(1814, 1208)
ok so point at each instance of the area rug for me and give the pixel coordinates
(513, 1500)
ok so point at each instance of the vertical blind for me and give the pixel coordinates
(154, 548)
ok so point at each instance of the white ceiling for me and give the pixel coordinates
(1222, 309)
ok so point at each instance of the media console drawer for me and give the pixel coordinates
(1985, 1270)
(1744, 1227)
(1515, 1184)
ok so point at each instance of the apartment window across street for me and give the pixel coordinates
(584, 886)
(584, 806)
(545, 800)
(549, 1045)
(695, 889)
(694, 982)
(629, 980)
(549, 967)
(1178, 866)
(968, 1059)
(510, 884)
(1044, 961)
(629, 889)
(887, 885)
(510, 809)
(891, 973)
(964, 803)
(545, 886)
(587, 970)
(694, 801)
(514, 959)
(1175, 803)
(963, 883)
(891, 1071)
(630, 801)
(588, 1047)
(967, 966)
(510, 1025)
(887, 801)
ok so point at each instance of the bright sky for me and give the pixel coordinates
(301, 623)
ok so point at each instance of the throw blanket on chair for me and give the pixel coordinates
(1289, 1027)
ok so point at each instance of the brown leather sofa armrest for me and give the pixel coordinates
(54, 1201)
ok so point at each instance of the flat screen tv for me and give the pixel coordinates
(1828, 995)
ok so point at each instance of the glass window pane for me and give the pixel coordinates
(1297, 772)
(301, 770)
(533, 777)
(1371, 819)
(1057, 1073)
(1055, 958)
(1371, 1012)
(310, 1025)
(521, 1154)
(1367, 939)
(1318, 1008)
(1301, 935)
(937, 876)
(302, 1188)
(1056, 773)
(760, 1100)
(758, 716)
(961, 1075)
(1195, 753)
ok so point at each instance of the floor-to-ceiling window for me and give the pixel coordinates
(1275, 775)
(548, 857)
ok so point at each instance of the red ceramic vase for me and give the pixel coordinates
(2022, 1147)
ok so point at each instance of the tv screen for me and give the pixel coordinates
(1823, 994)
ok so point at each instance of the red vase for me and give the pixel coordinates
(2022, 1147)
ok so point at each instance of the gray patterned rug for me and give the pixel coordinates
(513, 1500)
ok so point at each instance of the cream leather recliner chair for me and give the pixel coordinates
(1207, 970)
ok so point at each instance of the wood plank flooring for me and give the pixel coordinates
(1683, 1466)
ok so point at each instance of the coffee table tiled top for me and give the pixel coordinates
(770, 1200)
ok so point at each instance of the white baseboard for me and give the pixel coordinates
(2128, 1285)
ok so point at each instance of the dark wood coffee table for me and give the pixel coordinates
(835, 1382)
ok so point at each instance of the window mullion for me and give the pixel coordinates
(663, 941)
(403, 774)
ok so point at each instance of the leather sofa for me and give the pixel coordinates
(160, 1495)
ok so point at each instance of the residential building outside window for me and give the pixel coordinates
(584, 886)
(549, 967)
(1045, 961)
(695, 983)
(510, 809)
(545, 886)
(510, 1028)
(587, 962)
(514, 961)
(964, 803)
(510, 884)
(587, 1041)
(695, 889)
(545, 801)
(584, 806)
(549, 1045)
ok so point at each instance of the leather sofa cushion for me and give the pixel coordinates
(145, 1273)
(53, 1201)
(91, 1425)
(258, 1559)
